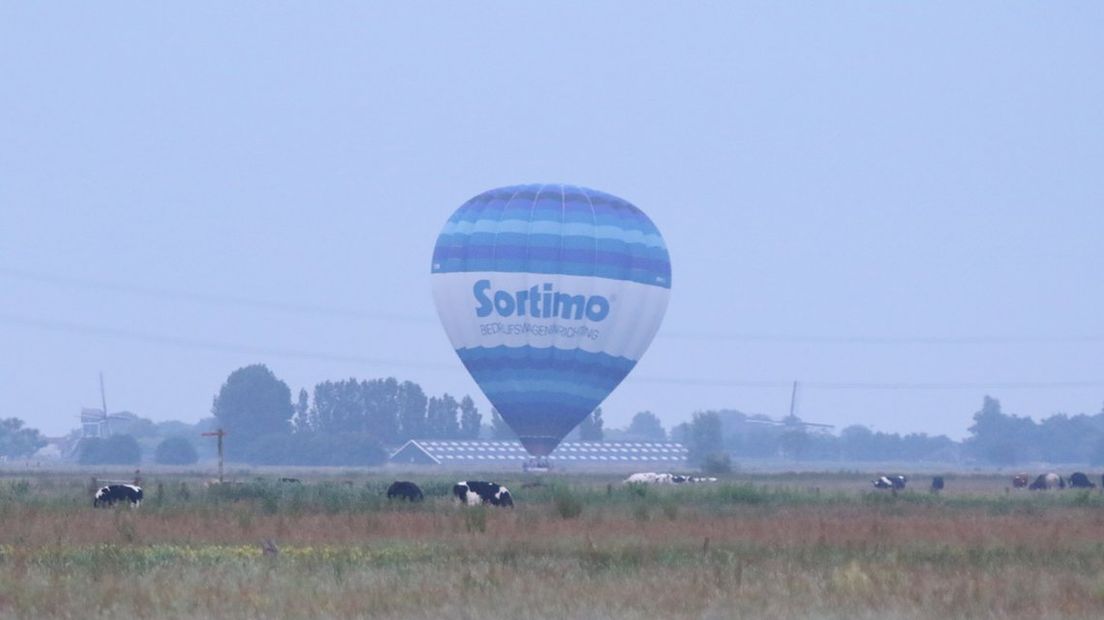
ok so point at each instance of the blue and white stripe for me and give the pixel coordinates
(553, 229)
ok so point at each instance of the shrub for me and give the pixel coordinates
(717, 463)
(176, 451)
(568, 506)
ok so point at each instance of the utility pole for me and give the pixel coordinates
(220, 434)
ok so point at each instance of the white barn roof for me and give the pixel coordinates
(508, 453)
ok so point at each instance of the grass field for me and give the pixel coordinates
(766, 546)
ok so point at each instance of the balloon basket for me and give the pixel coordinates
(536, 465)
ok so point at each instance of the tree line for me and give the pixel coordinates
(391, 411)
(995, 438)
(1005, 439)
(345, 422)
(349, 421)
(339, 423)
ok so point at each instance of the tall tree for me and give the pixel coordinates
(857, 443)
(999, 438)
(412, 404)
(339, 407)
(16, 441)
(705, 438)
(681, 433)
(383, 409)
(302, 411)
(646, 425)
(253, 402)
(590, 429)
(470, 419)
(1066, 439)
(441, 417)
(381, 398)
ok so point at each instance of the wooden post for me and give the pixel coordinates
(220, 434)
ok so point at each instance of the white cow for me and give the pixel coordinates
(649, 478)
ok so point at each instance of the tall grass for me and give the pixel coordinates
(749, 547)
(567, 504)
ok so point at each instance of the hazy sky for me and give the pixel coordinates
(900, 204)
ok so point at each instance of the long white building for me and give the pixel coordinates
(578, 455)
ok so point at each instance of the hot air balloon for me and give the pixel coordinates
(550, 294)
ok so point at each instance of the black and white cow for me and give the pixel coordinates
(402, 489)
(1047, 481)
(476, 492)
(1080, 481)
(894, 482)
(108, 495)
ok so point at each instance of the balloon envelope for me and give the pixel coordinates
(549, 294)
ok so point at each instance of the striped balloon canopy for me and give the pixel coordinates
(550, 294)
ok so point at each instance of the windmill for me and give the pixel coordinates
(791, 422)
(96, 422)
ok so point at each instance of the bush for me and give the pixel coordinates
(568, 506)
(176, 451)
(717, 463)
(115, 450)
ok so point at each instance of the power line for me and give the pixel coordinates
(207, 298)
(211, 345)
(358, 314)
(874, 340)
(193, 343)
(883, 385)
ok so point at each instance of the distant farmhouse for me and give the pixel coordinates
(580, 455)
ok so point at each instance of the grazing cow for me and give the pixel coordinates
(1020, 480)
(894, 482)
(1080, 481)
(476, 492)
(650, 478)
(401, 489)
(291, 480)
(108, 495)
(937, 484)
(1047, 481)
